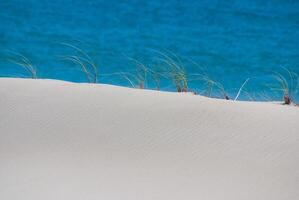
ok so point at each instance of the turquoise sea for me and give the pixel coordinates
(230, 40)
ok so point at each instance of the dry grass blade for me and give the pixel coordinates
(177, 72)
(141, 73)
(81, 58)
(126, 76)
(287, 85)
(157, 76)
(210, 85)
(240, 90)
(24, 62)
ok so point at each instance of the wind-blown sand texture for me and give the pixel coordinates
(61, 140)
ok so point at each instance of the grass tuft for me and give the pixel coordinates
(22, 61)
(170, 68)
(84, 61)
(177, 71)
(141, 73)
(288, 85)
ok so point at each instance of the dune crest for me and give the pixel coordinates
(61, 140)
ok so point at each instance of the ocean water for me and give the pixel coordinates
(230, 40)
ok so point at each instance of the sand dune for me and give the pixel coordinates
(61, 140)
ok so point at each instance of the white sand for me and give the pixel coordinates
(66, 141)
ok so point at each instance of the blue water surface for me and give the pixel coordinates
(232, 40)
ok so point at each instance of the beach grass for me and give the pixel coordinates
(84, 61)
(169, 67)
(287, 85)
(175, 70)
(24, 62)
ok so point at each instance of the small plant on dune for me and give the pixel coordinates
(137, 79)
(180, 79)
(129, 77)
(285, 88)
(141, 73)
(210, 84)
(144, 73)
(23, 62)
(177, 72)
(288, 85)
(86, 63)
(157, 74)
(157, 79)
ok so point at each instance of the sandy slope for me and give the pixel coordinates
(61, 141)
